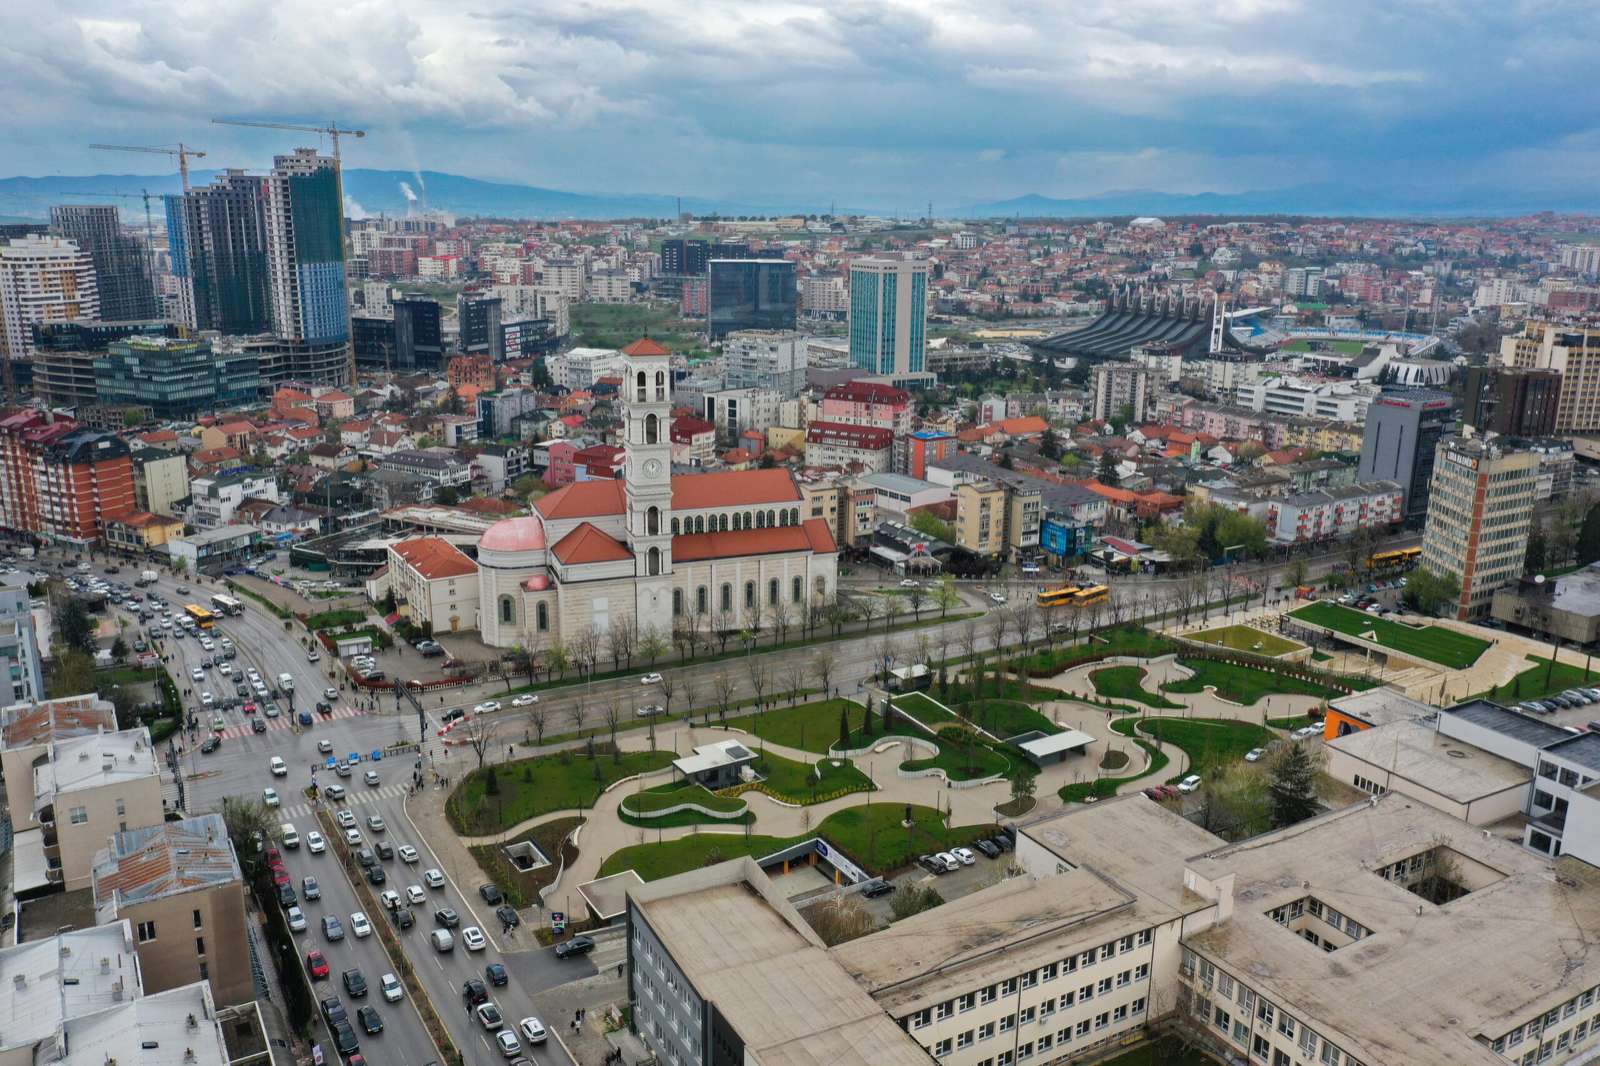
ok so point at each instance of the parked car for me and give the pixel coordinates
(987, 847)
(1254, 754)
(876, 887)
(951, 863)
(532, 1030)
(1189, 784)
(508, 915)
(578, 945)
(491, 893)
(965, 855)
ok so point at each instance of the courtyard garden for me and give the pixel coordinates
(503, 795)
(803, 783)
(1248, 638)
(1542, 679)
(1127, 683)
(1435, 644)
(1238, 683)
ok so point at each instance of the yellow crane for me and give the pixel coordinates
(182, 152)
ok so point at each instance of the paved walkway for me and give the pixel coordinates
(1205, 704)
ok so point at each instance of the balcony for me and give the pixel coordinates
(47, 814)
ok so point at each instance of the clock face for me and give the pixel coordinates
(652, 467)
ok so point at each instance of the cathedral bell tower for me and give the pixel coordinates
(647, 406)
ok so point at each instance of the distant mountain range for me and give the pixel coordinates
(393, 192)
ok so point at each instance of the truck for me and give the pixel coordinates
(147, 577)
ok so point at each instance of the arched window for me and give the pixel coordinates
(674, 527)
(653, 561)
(761, 520)
(508, 610)
(641, 387)
(722, 523)
(749, 595)
(699, 523)
(822, 588)
(772, 592)
(542, 616)
(661, 386)
(794, 517)
(652, 522)
(772, 519)
(702, 600)
(651, 429)
(799, 590)
(677, 602)
(727, 597)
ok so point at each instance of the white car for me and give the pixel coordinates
(197, 674)
(297, 919)
(371, 778)
(996, 597)
(532, 1030)
(1306, 732)
(376, 823)
(278, 766)
(391, 987)
(315, 844)
(207, 699)
(433, 879)
(415, 895)
(252, 674)
(487, 707)
(965, 855)
(650, 679)
(389, 898)
(347, 819)
(1254, 754)
(508, 1043)
(330, 694)
(473, 938)
(269, 796)
(352, 837)
(225, 669)
(526, 700)
(325, 747)
(408, 853)
(1189, 784)
(359, 925)
(908, 583)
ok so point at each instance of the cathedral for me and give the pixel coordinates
(729, 550)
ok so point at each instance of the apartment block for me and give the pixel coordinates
(1509, 401)
(1117, 387)
(1327, 514)
(27, 731)
(435, 583)
(1571, 349)
(43, 280)
(998, 518)
(836, 444)
(1479, 511)
(59, 480)
(768, 359)
(160, 480)
(90, 788)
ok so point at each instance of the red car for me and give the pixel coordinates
(317, 965)
(249, 708)
(280, 877)
(273, 856)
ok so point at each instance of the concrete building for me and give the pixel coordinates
(43, 280)
(478, 318)
(1330, 514)
(176, 379)
(1571, 349)
(580, 368)
(733, 411)
(694, 441)
(59, 480)
(745, 294)
(20, 655)
(1510, 401)
(89, 788)
(303, 221)
(1565, 608)
(765, 359)
(836, 444)
(441, 466)
(1479, 511)
(998, 518)
(434, 584)
(178, 884)
(889, 315)
(218, 246)
(1403, 431)
(160, 481)
(121, 273)
(1340, 401)
(215, 500)
(1119, 387)
(210, 550)
(27, 731)
(824, 296)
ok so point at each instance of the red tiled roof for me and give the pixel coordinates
(1022, 426)
(144, 519)
(867, 392)
(583, 499)
(216, 455)
(685, 426)
(845, 435)
(57, 719)
(728, 488)
(159, 436)
(645, 346)
(587, 544)
(811, 535)
(434, 557)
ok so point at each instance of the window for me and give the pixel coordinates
(652, 522)
(722, 523)
(727, 597)
(761, 520)
(967, 1002)
(965, 1039)
(944, 1010)
(661, 386)
(749, 595)
(986, 1031)
(1008, 987)
(677, 602)
(652, 429)
(1008, 1022)
(772, 592)
(147, 932)
(653, 562)
(640, 394)
(541, 614)
(1104, 986)
(700, 523)
(508, 610)
(674, 527)
(198, 922)
(78, 815)
(943, 1047)
(702, 600)
(199, 945)
(205, 972)
(922, 1019)
(798, 592)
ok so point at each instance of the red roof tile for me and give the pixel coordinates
(434, 557)
(811, 535)
(645, 346)
(583, 499)
(729, 488)
(587, 544)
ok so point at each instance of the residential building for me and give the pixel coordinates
(1509, 401)
(474, 370)
(750, 294)
(504, 414)
(435, 584)
(838, 444)
(478, 320)
(121, 273)
(176, 379)
(210, 550)
(142, 533)
(889, 315)
(217, 238)
(501, 465)
(765, 359)
(867, 403)
(65, 982)
(215, 499)
(998, 518)
(580, 368)
(546, 303)
(1402, 438)
(824, 296)
(733, 411)
(1334, 513)
(89, 788)
(178, 884)
(927, 446)
(59, 480)
(1279, 396)
(1571, 349)
(694, 441)
(1479, 511)
(20, 654)
(1119, 388)
(1557, 464)
(28, 729)
(303, 219)
(439, 465)
(683, 257)
(1564, 608)
(43, 280)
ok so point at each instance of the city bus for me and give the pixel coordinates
(1399, 559)
(226, 605)
(1061, 597)
(1088, 597)
(202, 617)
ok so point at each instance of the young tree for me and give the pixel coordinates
(539, 719)
(1535, 559)
(613, 720)
(1293, 786)
(945, 595)
(722, 684)
(557, 659)
(916, 598)
(1426, 592)
(1106, 474)
(480, 734)
(760, 680)
(822, 664)
(72, 674)
(652, 645)
(74, 628)
(1024, 784)
(844, 727)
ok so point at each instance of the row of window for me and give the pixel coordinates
(1267, 1016)
(1042, 1044)
(722, 523)
(702, 595)
(1545, 1024)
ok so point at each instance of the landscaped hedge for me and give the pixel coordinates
(1310, 674)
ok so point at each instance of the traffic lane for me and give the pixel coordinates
(403, 1031)
(450, 970)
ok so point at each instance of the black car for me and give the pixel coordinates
(355, 983)
(473, 992)
(333, 1008)
(876, 887)
(376, 875)
(344, 1038)
(257, 726)
(403, 918)
(578, 945)
(286, 895)
(930, 864)
(446, 917)
(508, 915)
(491, 894)
(212, 743)
(988, 847)
(385, 850)
(370, 1020)
(366, 858)
(496, 974)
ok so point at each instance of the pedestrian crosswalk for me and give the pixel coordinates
(286, 722)
(355, 795)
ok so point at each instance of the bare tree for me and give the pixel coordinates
(539, 718)
(883, 652)
(1027, 619)
(782, 619)
(480, 734)
(794, 673)
(760, 679)
(613, 720)
(893, 607)
(688, 683)
(723, 685)
(822, 664)
(586, 646)
(503, 669)
(969, 649)
(868, 607)
(922, 648)
(917, 598)
(723, 627)
(575, 713)
(653, 644)
(668, 684)
(754, 616)
(997, 622)
(620, 637)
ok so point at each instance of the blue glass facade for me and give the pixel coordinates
(863, 319)
(750, 294)
(1062, 541)
(919, 321)
(884, 319)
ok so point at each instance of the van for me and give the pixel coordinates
(285, 683)
(279, 768)
(289, 835)
(443, 941)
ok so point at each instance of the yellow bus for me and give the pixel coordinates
(1399, 559)
(1088, 597)
(1061, 597)
(202, 617)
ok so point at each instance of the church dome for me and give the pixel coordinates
(524, 534)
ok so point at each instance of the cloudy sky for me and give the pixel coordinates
(949, 100)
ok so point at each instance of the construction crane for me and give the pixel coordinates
(183, 153)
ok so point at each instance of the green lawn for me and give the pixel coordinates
(793, 781)
(808, 726)
(1294, 722)
(1209, 742)
(1006, 718)
(1247, 638)
(1245, 684)
(1127, 683)
(1342, 347)
(557, 784)
(962, 756)
(1164, 1051)
(1133, 641)
(870, 834)
(672, 793)
(1532, 682)
(1104, 787)
(921, 707)
(1447, 647)
(522, 888)
(617, 325)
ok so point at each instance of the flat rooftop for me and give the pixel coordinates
(1419, 753)
(25, 724)
(45, 982)
(1380, 706)
(1583, 749)
(1428, 982)
(151, 1031)
(91, 761)
(1505, 721)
